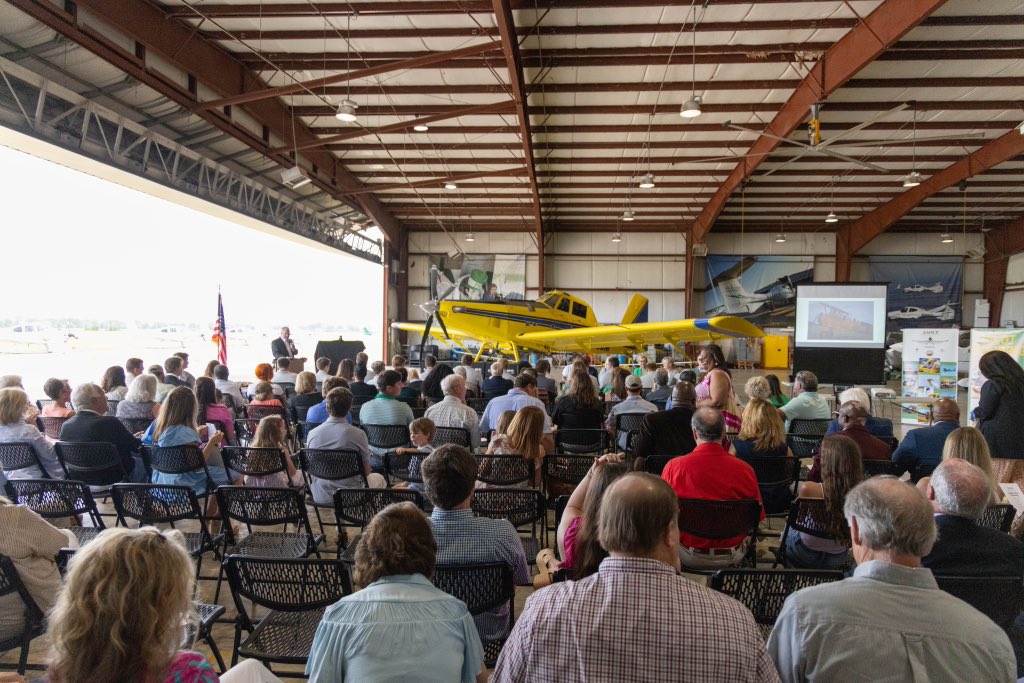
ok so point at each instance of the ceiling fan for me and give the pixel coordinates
(815, 145)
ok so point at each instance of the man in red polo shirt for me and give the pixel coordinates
(711, 473)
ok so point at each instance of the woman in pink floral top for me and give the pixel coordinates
(120, 615)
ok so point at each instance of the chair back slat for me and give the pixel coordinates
(155, 503)
(257, 413)
(718, 519)
(874, 468)
(96, 463)
(581, 441)
(56, 498)
(245, 430)
(51, 426)
(803, 446)
(777, 477)
(177, 459)
(254, 462)
(519, 506)
(404, 466)
(136, 425)
(357, 507)
(455, 435)
(998, 517)
(562, 472)
(386, 436)
(286, 585)
(333, 464)
(261, 505)
(504, 470)
(763, 591)
(20, 455)
(629, 422)
(481, 586)
(805, 427)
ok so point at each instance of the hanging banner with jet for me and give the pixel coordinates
(929, 369)
(484, 277)
(923, 291)
(761, 289)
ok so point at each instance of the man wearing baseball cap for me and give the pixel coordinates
(634, 403)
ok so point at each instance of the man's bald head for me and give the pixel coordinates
(946, 410)
(683, 394)
(960, 489)
(852, 412)
(635, 513)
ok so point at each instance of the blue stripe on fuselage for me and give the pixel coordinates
(525, 319)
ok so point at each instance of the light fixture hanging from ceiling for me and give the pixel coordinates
(469, 237)
(450, 186)
(780, 238)
(647, 182)
(832, 217)
(946, 238)
(617, 237)
(421, 128)
(913, 179)
(347, 109)
(691, 107)
(628, 216)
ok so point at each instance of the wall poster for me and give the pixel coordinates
(929, 368)
(484, 276)
(761, 289)
(923, 291)
(982, 341)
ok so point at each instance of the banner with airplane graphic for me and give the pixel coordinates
(924, 291)
(761, 289)
(484, 277)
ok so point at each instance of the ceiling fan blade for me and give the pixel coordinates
(722, 158)
(423, 339)
(789, 160)
(730, 124)
(933, 138)
(865, 164)
(861, 126)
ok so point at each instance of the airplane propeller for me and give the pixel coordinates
(431, 307)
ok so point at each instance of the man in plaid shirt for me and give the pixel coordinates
(636, 619)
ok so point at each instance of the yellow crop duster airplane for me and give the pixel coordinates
(557, 321)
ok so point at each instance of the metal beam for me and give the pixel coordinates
(851, 53)
(175, 42)
(510, 47)
(415, 63)
(854, 236)
(1000, 244)
(438, 181)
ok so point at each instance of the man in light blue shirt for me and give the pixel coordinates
(524, 393)
(336, 434)
(318, 413)
(890, 622)
(806, 404)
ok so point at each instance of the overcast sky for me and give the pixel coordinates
(88, 248)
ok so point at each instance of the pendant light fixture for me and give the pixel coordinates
(647, 182)
(691, 107)
(913, 179)
(628, 216)
(347, 109)
(780, 238)
(617, 237)
(946, 238)
(421, 128)
(450, 186)
(832, 217)
(469, 237)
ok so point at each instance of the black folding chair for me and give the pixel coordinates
(60, 499)
(563, 472)
(628, 424)
(245, 430)
(264, 506)
(249, 461)
(763, 591)
(20, 455)
(257, 413)
(521, 507)
(34, 622)
(356, 507)
(95, 463)
(478, 404)
(152, 504)
(483, 587)
(184, 459)
(581, 441)
(331, 465)
(655, 464)
(808, 516)
(51, 426)
(456, 435)
(384, 438)
(717, 520)
(296, 591)
(1000, 598)
(136, 425)
(777, 477)
(873, 468)
(804, 436)
(505, 470)
(998, 517)
(404, 467)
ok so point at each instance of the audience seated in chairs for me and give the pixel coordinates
(32, 543)
(576, 536)
(92, 424)
(318, 412)
(523, 394)
(132, 587)
(174, 368)
(876, 426)
(433, 384)
(113, 383)
(449, 477)
(229, 388)
(853, 420)
(421, 431)
(162, 388)
(59, 390)
(711, 473)
(633, 404)
(968, 443)
(323, 369)
(762, 434)
(13, 429)
(212, 411)
(497, 384)
(636, 590)
(960, 493)
(668, 432)
(615, 391)
(337, 434)
(347, 370)
(140, 401)
(306, 396)
(806, 403)
(452, 410)
(525, 437)
(361, 389)
(921, 448)
(859, 628)
(386, 409)
(841, 470)
(272, 432)
(264, 372)
(399, 626)
(660, 392)
(263, 395)
(282, 375)
(580, 407)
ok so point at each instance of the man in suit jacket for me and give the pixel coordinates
(921, 448)
(960, 492)
(90, 424)
(172, 372)
(668, 432)
(497, 384)
(283, 346)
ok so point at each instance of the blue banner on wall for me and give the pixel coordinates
(761, 289)
(923, 291)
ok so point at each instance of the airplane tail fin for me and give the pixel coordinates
(732, 296)
(636, 312)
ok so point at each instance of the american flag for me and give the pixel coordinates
(220, 333)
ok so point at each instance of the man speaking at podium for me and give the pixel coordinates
(283, 346)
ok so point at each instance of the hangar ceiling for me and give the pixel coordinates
(545, 115)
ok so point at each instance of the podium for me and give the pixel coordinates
(296, 365)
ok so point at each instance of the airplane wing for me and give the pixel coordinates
(608, 337)
(458, 337)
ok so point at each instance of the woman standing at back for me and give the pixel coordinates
(715, 390)
(1000, 409)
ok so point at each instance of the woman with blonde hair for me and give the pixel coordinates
(272, 432)
(306, 396)
(13, 404)
(841, 470)
(119, 618)
(968, 443)
(762, 433)
(758, 387)
(524, 437)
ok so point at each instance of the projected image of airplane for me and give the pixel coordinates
(916, 289)
(944, 312)
(832, 322)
